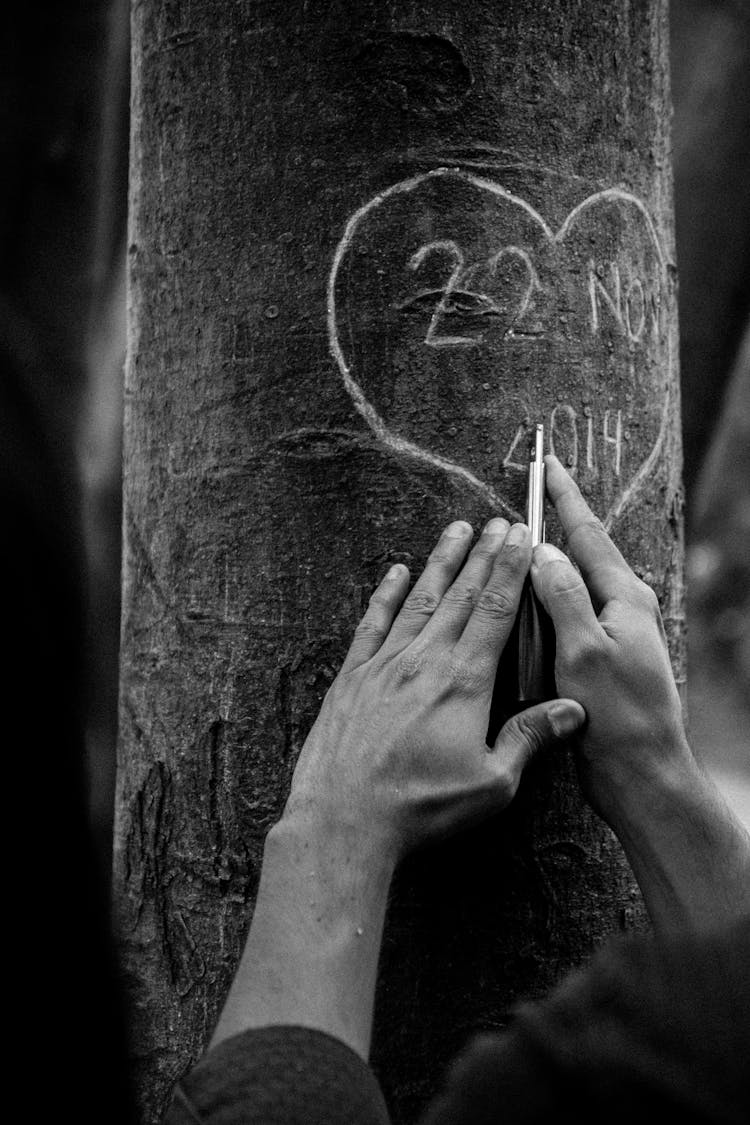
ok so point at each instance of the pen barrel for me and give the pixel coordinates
(535, 494)
(536, 650)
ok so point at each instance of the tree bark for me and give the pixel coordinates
(369, 245)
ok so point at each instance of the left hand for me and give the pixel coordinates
(398, 754)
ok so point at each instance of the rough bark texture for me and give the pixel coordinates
(369, 243)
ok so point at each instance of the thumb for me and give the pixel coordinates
(530, 731)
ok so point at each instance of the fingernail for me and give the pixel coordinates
(518, 534)
(496, 526)
(546, 552)
(564, 720)
(458, 530)
(394, 572)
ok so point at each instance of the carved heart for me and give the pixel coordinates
(456, 315)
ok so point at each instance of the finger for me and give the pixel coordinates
(459, 599)
(494, 612)
(374, 627)
(603, 567)
(526, 734)
(563, 593)
(441, 568)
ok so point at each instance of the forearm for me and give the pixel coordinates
(311, 955)
(689, 853)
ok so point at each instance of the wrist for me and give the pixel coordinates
(689, 854)
(642, 782)
(661, 794)
(332, 856)
(354, 837)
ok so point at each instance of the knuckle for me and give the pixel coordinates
(583, 654)
(466, 674)
(409, 663)
(368, 627)
(485, 549)
(422, 601)
(442, 558)
(587, 528)
(496, 604)
(461, 594)
(483, 669)
(591, 524)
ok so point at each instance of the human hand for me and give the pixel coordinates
(398, 754)
(611, 655)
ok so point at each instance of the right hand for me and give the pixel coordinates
(611, 657)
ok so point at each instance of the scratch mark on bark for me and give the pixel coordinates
(310, 443)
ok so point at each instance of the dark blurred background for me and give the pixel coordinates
(63, 216)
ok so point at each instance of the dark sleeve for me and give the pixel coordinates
(279, 1076)
(651, 1031)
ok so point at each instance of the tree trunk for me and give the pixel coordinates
(369, 245)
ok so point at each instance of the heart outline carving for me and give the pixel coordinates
(403, 446)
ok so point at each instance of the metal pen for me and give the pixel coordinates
(535, 496)
(535, 636)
